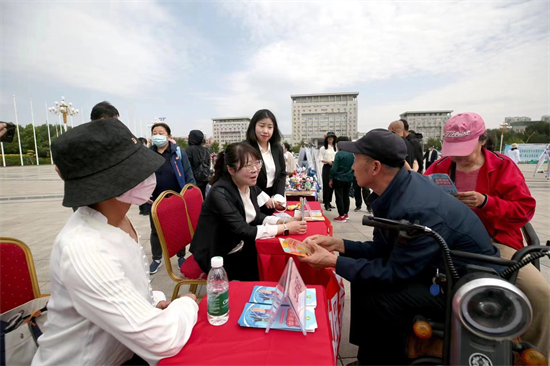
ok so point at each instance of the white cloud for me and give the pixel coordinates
(121, 48)
(496, 53)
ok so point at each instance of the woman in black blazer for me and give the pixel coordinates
(263, 135)
(230, 219)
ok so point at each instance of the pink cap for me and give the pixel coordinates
(461, 134)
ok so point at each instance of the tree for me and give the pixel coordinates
(215, 147)
(182, 143)
(432, 141)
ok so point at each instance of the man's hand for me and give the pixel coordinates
(163, 304)
(330, 183)
(321, 258)
(327, 242)
(471, 199)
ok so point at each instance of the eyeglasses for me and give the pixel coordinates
(252, 167)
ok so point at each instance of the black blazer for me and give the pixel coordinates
(279, 183)
(222, 226)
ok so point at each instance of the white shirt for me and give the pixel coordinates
(102, 308)
(514, 155)
(268, 228)
(326, 154)
(269, 164)
(290, 162)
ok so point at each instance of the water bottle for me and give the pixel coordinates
(217, 290)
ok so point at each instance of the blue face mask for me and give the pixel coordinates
(159, 140)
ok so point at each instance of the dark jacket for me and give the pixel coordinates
(416, 141)
(341, 166)
(222, 226)
(412, 197)
(280, 169)
(410, 152)
(432, 158)
(197, 153)
(182, 168)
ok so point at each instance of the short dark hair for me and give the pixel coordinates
(233, 155)
(143, 140)
(103, 110)
(343, 138)
(287, 145)
(258, 116)
(405, 123)
(163, 125)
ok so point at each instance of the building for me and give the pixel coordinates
(287, 137)
(229, 129)
(428, 123)
(313, 115)
(516, 119)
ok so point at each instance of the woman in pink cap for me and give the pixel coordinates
(492, 185)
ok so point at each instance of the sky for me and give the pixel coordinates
(191, 61)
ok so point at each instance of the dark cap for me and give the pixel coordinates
(101, 160)
(379, 144)
(330, 134)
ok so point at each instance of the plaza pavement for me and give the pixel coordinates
(31, 211)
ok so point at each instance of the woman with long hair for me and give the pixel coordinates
(326, 155)
(230, 219)
(264, 136)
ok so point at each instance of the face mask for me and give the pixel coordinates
(159, 140)
(141, 193)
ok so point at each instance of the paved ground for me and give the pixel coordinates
(30, 210)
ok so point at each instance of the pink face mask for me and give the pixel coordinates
(141, 193)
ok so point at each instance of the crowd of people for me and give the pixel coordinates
(104, 311)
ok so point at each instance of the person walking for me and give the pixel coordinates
(430, 156)
(326, 155)
(290, 162)
(173, 175)
(340, 179)
(199, 158)
(514, 153)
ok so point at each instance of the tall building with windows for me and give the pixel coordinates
(313, 115)
(428, 123)
(230, 129)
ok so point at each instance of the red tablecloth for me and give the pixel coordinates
(231, 344)
(272, 259)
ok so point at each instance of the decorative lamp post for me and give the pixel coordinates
(64, 109)
(503, 127)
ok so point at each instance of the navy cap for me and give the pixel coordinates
(379, 144)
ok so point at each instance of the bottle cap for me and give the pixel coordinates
(216, 262)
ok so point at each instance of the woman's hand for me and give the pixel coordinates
(297, 227)
(270, 203)
(471, 199)
(163, 304)
(279, 206)
(327, 242)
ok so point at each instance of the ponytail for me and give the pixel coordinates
(219, 168)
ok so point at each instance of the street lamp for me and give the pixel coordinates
(503, 127)
(64, 109)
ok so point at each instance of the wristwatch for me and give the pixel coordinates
(286, 232)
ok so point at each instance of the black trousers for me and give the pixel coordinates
(341, 191)
(156, 248)
(327, 190)
(358, 192)
(381, 319)
(202, 187)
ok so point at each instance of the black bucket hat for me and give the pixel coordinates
(331, 134)
(100, 160)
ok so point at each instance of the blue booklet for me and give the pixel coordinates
(264, 295)
(445, 182)
(257, 316)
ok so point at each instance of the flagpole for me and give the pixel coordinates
(59, 123)
(72, 122)
(49, 137)
(3, 157)
(82, 116)
(34, 133)
(18, 134)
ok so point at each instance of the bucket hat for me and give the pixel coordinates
(101, 160)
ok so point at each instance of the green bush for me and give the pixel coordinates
(14, 160)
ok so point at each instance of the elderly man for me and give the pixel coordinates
(390, 278)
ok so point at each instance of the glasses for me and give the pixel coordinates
(252, 167)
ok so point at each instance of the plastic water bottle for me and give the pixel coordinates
(217, 290)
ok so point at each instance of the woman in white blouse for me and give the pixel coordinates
(263, 135)
(326, 155)
(102, 308)
(230, 219)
